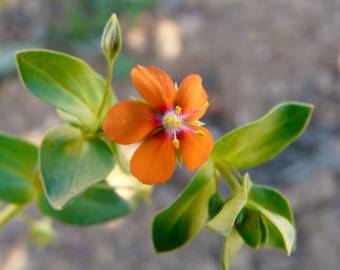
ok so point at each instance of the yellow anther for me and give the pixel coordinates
(168, 119)
(177, 123)
(205, 106)
(200, 133)
(178, 109)
(175, 143)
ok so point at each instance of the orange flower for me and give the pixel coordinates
(167, 121)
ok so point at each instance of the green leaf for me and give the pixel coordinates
(96, 205)
(63, 81)
(250, 228)
(17, 165)
(232, 244)
(257, 142)
(216, 203)
(224, 221)
(69, 118)
(14, 188)
(71, 163)
(280, 231)
(18, 155)
(264, 233)
(272, 200)
(183, 220)
(273, 220)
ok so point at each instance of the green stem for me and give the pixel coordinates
(107, 88)
(230, 175)
(7, 214)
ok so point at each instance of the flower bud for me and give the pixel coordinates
(111, 42)
(42, 232)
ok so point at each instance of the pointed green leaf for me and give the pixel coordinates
(96, 205)
(17, 164)
(272, 200)
(182, 221)
(276, 217)
(216, 203)
(63, 81)
(224, 221)
(250, 228)
(71, 163)
(257, 142)
(232, 244)
(280, 231)
(264, 233)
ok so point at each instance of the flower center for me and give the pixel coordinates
(172, 121)
(175, 122)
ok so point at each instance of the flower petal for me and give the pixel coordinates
(195, 148)
(129, 121)
(155, 86)
(154, 162)
(191, 97)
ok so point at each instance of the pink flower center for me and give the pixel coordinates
(174, 122)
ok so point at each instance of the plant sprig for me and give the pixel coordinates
(74, 160)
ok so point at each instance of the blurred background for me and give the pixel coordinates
(252, 55)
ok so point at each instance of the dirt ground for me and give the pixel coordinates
(252, 55)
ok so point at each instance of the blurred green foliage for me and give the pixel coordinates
(123, 66)
(76, 28)
(85, 18)
(82, 24)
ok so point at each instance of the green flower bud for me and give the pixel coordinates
(42, 232)
(112, 39)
